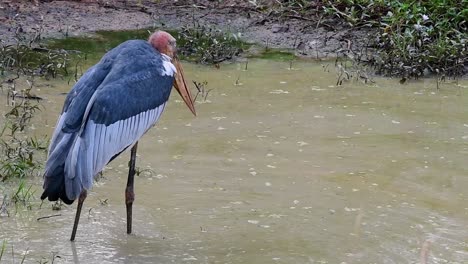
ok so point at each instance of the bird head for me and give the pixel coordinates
(166, 44)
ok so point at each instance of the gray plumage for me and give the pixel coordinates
(112, 105)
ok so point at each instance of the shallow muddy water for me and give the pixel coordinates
(279, 166)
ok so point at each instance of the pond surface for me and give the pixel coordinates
(279, 166)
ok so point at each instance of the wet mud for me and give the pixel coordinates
(314, 37)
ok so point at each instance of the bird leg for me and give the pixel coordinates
(129, 194)
(81, 199)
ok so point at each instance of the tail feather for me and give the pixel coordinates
(54, 186)
(54, 175)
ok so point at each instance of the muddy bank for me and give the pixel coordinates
(308, 36)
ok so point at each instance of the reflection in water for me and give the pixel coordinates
(281, 167)
(75, 256)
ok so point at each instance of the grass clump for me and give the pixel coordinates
(25, 56)
(423, 37)
(18, 150)
(416, 38)
(205, 45)
(21, 61)
(25, 59)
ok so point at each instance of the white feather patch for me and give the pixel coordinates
(169, 68)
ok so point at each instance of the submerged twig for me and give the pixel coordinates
(49, 216)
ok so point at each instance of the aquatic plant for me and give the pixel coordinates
(414, 38)
(423, 36)
(2, 250)
(18, 150)
(349, 70)
(206, 45)
(23, 195)
(24, 59)
(13, 253)
(201, 90)
(25, 56)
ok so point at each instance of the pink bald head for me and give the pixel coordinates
(163, 42)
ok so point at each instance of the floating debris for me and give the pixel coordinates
(160, 176)
(347, 209)
(316, 88)
(279, 92)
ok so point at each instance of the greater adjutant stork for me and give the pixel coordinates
(107, 111)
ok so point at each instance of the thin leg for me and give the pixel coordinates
(129, 194)
(83, 195)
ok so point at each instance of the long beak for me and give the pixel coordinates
(181, 86)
